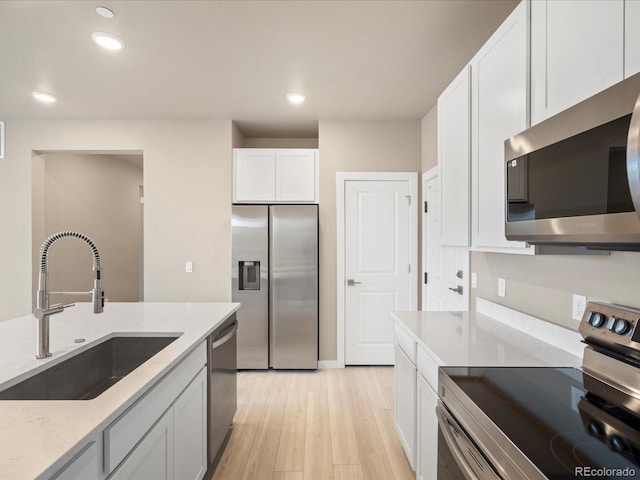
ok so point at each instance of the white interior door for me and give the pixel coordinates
(377, 267)
(446, 268)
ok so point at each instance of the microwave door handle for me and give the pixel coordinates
(633, 156)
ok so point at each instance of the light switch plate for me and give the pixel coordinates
(188, 267)
(502, 287)
(474, 280)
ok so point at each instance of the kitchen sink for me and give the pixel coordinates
(90, 373)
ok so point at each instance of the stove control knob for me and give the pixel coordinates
(617, 444)
(597, 319)
(620, 326)
(595, 428)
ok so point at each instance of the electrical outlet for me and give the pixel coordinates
(188, 267)
(576, 395)
(579, 305)
(502, 287)
(474, 280)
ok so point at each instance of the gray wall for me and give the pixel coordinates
(187, 182)
(97, 195)
(543, 286)
(353, 147)
(187, 179)
(429, 134)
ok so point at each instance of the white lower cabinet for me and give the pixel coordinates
(163, 435)
(427, 431)
(190, 430)
(416, 397)
(152, 459)
(86, 464)
(175, 448)
(405, 403)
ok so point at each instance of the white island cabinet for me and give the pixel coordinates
(150, 424)
(152, 420)
(426, 341)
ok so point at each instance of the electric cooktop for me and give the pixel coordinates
(566, 422)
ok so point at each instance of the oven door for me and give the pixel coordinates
(458, 456)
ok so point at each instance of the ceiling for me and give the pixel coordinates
(355, 60)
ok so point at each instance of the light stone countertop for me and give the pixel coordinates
(39, 437)
(473, 339)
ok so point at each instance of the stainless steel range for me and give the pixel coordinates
(515, 423)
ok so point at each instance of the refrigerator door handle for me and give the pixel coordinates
(351, 282)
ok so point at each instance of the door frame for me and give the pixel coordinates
(341, 179)
(426, 177)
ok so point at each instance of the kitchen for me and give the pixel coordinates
(542, 286)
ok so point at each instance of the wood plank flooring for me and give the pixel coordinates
(329, 424)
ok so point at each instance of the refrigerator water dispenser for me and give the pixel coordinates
(249, 275)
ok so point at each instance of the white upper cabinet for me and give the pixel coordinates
(499, 92)
(577, 50)
(275, 175)
(295, 176)
(454, 159)
(254, 174)
(631, 37)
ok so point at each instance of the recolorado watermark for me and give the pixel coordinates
(604, 472)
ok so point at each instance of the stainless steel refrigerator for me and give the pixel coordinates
(275, 278)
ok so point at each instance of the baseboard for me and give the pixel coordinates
(329, 364)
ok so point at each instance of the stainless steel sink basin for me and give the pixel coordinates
(90, 373)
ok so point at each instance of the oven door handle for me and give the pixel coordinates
(449, 429)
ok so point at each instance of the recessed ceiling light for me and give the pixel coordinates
(107, 40)
(296, 97)
(44, 97)
(105, 12)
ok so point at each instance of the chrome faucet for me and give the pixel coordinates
(43, 310)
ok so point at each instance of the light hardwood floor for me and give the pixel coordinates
(328, 424)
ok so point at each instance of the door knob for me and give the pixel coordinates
(351, 282)
(458, 289)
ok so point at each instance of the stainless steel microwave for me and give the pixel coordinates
(574, 179)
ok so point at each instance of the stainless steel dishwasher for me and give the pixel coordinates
(223, 397)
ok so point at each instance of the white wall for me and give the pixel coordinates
(352, 146)
(187, 178)
(97, 195)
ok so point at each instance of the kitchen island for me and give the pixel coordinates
(41, 438)
(425, 341)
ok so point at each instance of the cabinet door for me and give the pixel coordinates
(631, 37)
(87, 464)
(499, 110)
(577, 51)
(254, 172)
(190, 430)
(152, 459)
(296, 176)
(454, 159)
(427, 434)
(405, 404)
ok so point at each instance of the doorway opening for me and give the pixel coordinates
(100, 195)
